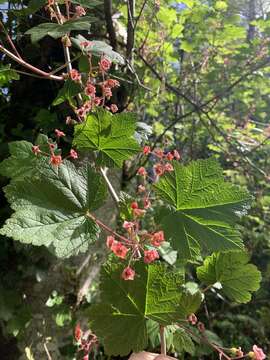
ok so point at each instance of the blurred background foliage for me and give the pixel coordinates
(198, 73)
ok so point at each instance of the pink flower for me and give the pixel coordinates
(107, 92)
(86, 357)
(146, 203)
(52, 146)
(114, 108)
(104, 64)
(73, 154)
(159, 170)
(157, 238)
(80, 112)
(138, 212)
(87, 106)
(56, 160)
(134, 205)
(78, 332)
(90, 90)
(75, 75)
(110, 241)
(119, 249)
(59, 133)
(111, 83)
(80, 11)
(150, 256)
(168, 167)
(146, 150)
(97, 101)
(141, 171)
(176, 155)
(128, 273)
(159, 153)
(35, 149)
(128, 225)
(170, 156)
(258, 353)
(192, 319)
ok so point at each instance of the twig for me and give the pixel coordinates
(106, 228)
(29, 66)
(110, 186)
(140, 14)
(205, 340)
(10, 40)
(47, 352)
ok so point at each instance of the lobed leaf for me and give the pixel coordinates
(56, 30)
(51, 208)
(203, 209)
(154, 294)
(111, 136)
(235, 276)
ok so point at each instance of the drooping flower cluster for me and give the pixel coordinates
(136, 244)
(163, 164)
(98, 92)
(54, 156)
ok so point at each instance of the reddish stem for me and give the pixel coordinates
(107, 228)
(29, 66)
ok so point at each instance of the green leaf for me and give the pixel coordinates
(182, 342)
(67, 92)
(110, 135)
(51, 208)
(99, 48)
(120, 320)
(231, 269)
(56, 30)
(22, 161)
(203, 209)
(7, 74)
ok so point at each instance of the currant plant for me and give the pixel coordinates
(189, 209)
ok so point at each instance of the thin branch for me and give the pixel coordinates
(47, 352)
(140, 14)
(65, 47)
(29, 66)
(106, 228)
(10, 40)
(205, 340)
(110, 186)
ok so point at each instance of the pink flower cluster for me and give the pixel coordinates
(55, 159)
(86, 341)
(162, 166)
(92, 86)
